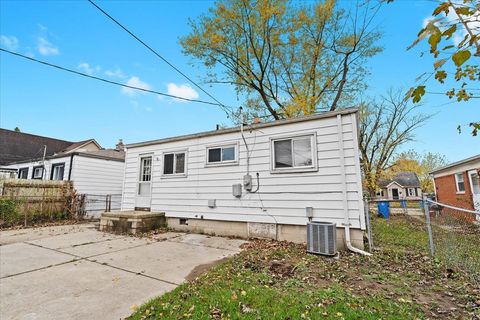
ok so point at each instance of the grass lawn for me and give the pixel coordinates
(278, 280)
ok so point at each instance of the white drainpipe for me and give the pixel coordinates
(346, 222)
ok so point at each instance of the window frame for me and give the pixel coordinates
(52, 170)
(174, 174)
(457, 189)
(413, 193)
(313, 147)
(33, 172)
(23, 169)
(235, 145)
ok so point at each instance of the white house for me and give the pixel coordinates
(94, 171)
(262, 184)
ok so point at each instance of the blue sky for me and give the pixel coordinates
(44, 101)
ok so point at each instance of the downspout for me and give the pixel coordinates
(70, 168)
(346, 219)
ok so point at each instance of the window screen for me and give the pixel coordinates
(23, 173)
(174, 163)
(58, 171)
(168, 163)
(215, 155)
(221, 154)
(460, 182)
(293, 153)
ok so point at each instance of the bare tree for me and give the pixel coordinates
(385, 125)
(287, 58)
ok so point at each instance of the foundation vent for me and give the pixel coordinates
(321, 238)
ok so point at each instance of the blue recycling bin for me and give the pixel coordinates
(384, 209)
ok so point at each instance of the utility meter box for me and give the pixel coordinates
(237, 190)
(247, 182)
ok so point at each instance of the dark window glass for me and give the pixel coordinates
(168, 163)
(23, 173)
(180, 163)
(283, 153)
(215, 155)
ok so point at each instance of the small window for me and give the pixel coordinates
(293, 153)
(37, 172)
(145, 169)
(57, 171)
(411, 192)
(174, 163)
(23, 173)
(460, 182)
(225, 154)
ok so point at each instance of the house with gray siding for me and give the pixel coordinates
(257, 180)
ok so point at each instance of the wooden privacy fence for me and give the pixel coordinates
(29, 201)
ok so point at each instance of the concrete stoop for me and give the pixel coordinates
(131, 221)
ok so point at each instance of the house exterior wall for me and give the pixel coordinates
(47, 165)
(282, 197)
(97, 176)
(446, 191)
(446, 187)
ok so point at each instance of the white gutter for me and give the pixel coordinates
(346, 221)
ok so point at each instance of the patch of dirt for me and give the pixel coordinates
(407, 277)
(203, 268)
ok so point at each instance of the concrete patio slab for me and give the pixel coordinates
(169, 261)
(81, 238)
(21, 257)
(210, 241)
(87, 274)
(80, 290)
(28, 234)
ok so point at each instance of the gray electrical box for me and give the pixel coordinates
(212, 203)
(309, 212)
(237, 190)
(247, 182)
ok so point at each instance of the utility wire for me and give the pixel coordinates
(161, 57)
(106, 80)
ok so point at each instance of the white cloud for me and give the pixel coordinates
(9, 42)
(45, 48)
(135, 82)
(117, 73)
(85, 67)
(183, 90)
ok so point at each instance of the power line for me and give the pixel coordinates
(160, 56)
(106, 80)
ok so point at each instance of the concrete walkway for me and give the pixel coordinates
(77, 272)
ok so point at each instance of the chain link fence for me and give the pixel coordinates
(454, 236)
(448, 233)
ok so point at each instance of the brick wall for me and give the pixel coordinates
(447, 192)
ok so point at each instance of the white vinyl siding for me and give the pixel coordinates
(97, 176)
(284, 196)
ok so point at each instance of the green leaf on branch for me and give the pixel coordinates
(433, 40)
(443, 7)
(440, 76)
(460, 57)
(418, 93)
(439, 63)
(450, 31)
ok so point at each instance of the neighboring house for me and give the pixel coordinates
(94, 171)
(297, 166)
(405, 185)
(457, 184)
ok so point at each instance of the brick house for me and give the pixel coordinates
(458, 183)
